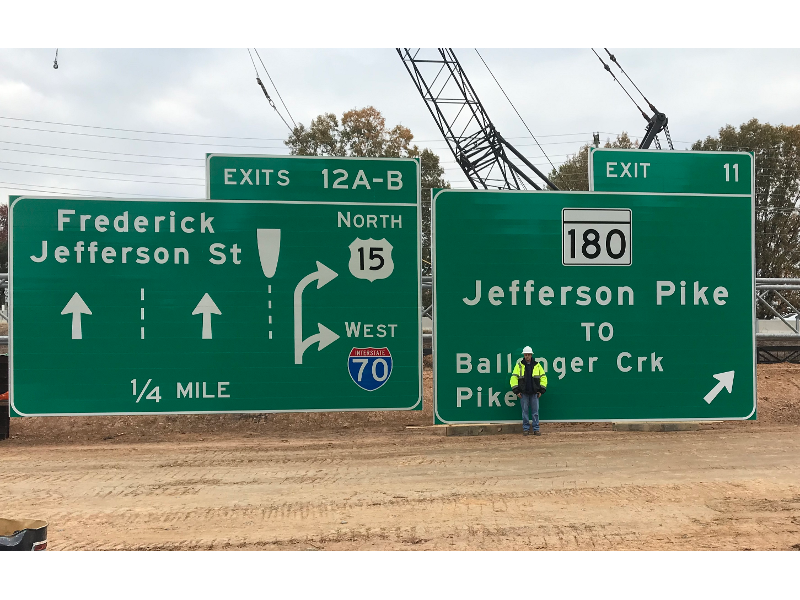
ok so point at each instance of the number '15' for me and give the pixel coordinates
(727, 168)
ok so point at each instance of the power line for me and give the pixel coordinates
(100, 151)
(15, 185)
(5, 162)
(224, 137)
(137, 162)
(514, 107)
(119, 137)
(100, 178)
(229, 137)
(275, 86)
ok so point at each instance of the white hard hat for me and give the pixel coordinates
(527, 350)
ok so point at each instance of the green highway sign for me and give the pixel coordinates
(640, 306)
(670, 171)
(321, 179)
(202, 306)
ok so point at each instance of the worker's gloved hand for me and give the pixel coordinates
(515, 389)
(542, 391)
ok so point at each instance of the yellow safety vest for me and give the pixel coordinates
(518, 376)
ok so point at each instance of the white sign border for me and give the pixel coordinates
(692, 419)
(16, 412)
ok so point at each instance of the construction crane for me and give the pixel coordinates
(655, 124)
(486, 157)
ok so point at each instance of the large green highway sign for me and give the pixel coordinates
(674, 172)
(309, 301)
(639, 306)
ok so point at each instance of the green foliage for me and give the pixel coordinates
(363, 132)
(432, 177)
(777, 164)
(573, 173)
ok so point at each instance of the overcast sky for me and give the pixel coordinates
(563, 95)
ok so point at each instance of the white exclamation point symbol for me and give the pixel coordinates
(143, 313)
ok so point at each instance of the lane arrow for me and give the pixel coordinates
(76, 306)
(725, 381)
(206, 307)
(325, 337)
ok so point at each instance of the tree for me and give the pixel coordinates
(573, 173)
(363, 132)
(432, 176)
(777, 165)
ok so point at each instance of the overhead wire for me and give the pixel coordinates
(37, 188)
(122, 160)
(275, 86)
(100, 151)
(5, 162)
(100, 178)
(514, 107)
(118, 137)
(224, 137)
(266, 93)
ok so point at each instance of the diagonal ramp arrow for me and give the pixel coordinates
(725, 381)
(77, 307)
(325, 337)
(206, 307)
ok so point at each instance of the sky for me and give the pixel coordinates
(562, 94)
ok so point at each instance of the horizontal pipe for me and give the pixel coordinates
(787, 288)
(778, 336)
(777, 280)
(3, 340)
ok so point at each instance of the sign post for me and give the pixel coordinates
(638, 305)
(308, 301)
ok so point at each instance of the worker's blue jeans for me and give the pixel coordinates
(530, 402)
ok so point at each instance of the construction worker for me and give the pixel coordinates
(528, 382)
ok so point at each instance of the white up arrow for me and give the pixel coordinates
(206, 307)
(725, 381)
(325, 337)
(76, 306)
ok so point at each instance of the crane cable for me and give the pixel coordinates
(650, 104)
(275, 86)
(271, 103)
(616, 62)
(607, 68)
(515, 109)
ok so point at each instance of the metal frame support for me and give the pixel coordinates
(776, 285)
(479, 149)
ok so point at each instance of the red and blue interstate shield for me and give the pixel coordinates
(370, 368)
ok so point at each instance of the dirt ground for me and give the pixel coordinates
(365, 481)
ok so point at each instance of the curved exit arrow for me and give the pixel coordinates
(325, 337)
(725, 381)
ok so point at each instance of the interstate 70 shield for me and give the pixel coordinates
(370, 368)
